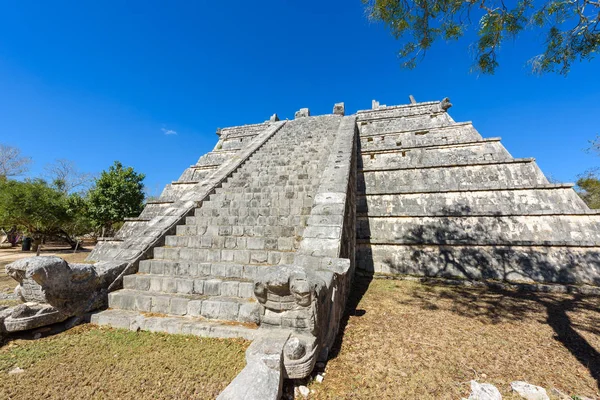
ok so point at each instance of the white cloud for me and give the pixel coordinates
(168, 131)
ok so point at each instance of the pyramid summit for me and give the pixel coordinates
(262, 237)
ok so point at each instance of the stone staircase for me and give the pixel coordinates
(205, 271)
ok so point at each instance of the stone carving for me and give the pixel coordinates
(54, 290)
(303, 300)
(302, 113)
(445, 104)
(339, 109)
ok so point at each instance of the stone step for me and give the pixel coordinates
(297, 170)
(277, 184)
(246, 186)
(199, 270)
(239, 230)
(262, 197)
(263, 192)
(251, 257)
(289, 159)
(289, 162)
(261, 173)
(253, 211)
(221, 201)
(221, 308)
(186, 284)
(232, 221)
(208, 241)
(134, 320)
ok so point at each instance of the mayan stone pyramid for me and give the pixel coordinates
(263, 235)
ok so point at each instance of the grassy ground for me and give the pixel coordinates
(90, 362)
(402, 340)
(406, 340)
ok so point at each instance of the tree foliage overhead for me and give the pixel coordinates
(12, 163)
(571, 28)
(118, 194)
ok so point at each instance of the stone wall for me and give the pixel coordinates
(436, 199)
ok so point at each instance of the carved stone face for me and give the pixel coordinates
(300, 289)
(294, 349)
(260, 291)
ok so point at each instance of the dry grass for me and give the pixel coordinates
(90, 362)
(406, 340)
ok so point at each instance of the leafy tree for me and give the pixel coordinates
(12, 163)
(39, 210)
(589, 189)
(118, 194)
(65, 176)
(572, 28)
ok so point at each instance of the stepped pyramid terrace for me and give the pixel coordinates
(262, 237)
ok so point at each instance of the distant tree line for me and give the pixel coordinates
(65, 203)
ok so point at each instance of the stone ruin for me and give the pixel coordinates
(261, 238)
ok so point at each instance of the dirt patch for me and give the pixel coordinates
(99, 362)
(407, 340)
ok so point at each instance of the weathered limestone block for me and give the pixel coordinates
(262, 378)
(522, 174)
(484, 230)
(425, 108)
(339, 109)
(484, 391)
(446, 135)
(497, 202)
(391, 156)
(529, 391)
(548, 264)
(408, 123)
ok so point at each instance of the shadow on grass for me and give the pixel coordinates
(495, 306)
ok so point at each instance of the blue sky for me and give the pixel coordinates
(96, 82)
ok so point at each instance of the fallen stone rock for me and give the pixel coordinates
(15, 371)
(484, 391)
(529, 391)
(319, 378)
(304, 391)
